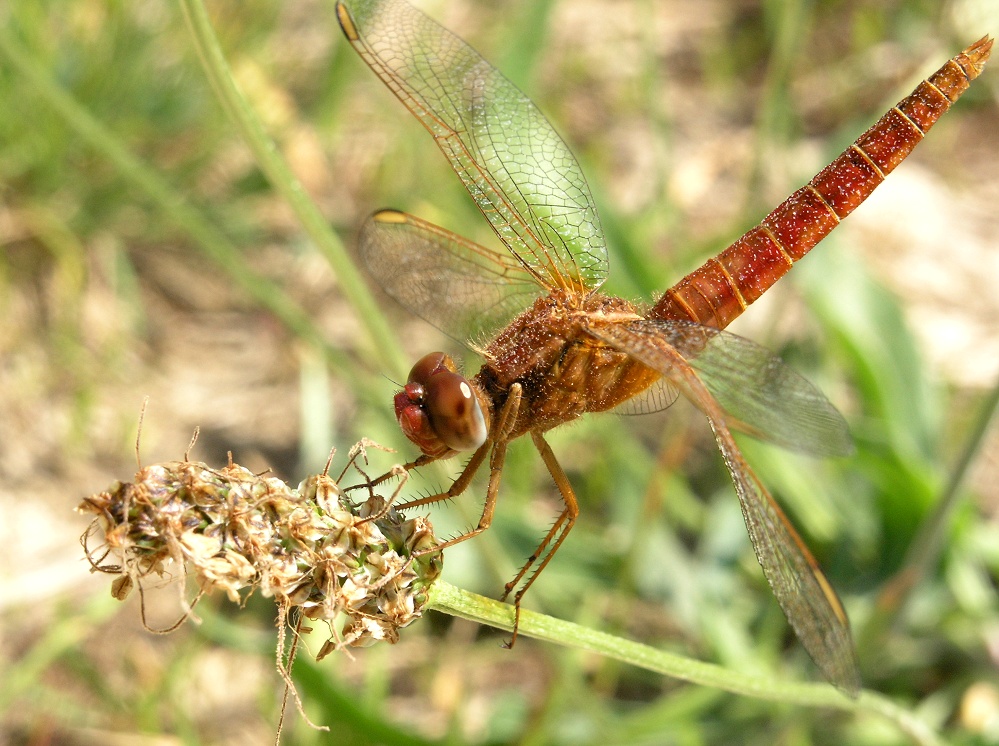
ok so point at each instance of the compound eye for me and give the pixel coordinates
(438, 409)
(430, 364)
(415, 423)
(454, 411)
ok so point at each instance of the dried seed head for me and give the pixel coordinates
(233, 530)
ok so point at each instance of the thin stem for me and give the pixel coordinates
(290, 188)
(450, 600)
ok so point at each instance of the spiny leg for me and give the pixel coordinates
(459, 485)
(504, 425)
(370, 484)
(497, 441)
(559, 530)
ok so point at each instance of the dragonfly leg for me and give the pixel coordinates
(555, 536)
(458, 485)
(501, 434)
(370, 484)
(497, 442)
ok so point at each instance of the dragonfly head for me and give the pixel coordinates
(439, 410)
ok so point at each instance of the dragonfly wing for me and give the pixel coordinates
(657, 397)
(518, 170)
(465, 290)
(802, 590)
(759, 393)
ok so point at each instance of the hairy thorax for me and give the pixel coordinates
(563, 370)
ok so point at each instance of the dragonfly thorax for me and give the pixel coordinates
(563, 370)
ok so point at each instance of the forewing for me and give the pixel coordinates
(802, 590)
(518, 170)
(465, 290)
(759, 393)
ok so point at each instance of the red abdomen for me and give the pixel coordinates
(723, 287)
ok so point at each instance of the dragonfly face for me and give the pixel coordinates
(559, 348)
(438, 409)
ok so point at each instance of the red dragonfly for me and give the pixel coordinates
(555, 347)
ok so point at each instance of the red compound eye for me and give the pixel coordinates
(438, 409)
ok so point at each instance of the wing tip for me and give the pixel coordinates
(847, 680)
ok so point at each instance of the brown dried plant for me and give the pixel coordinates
(310, 548)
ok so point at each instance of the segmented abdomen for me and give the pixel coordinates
(724, 286)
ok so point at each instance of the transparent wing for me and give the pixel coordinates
(657, 397)
(802, 590)
(465, 290)
(758, 392)
(518, 170)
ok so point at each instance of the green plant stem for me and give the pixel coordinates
(450, 600)
(383, 340)
(212, 242)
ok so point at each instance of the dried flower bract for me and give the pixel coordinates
(234, 530)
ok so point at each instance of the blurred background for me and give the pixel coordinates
(123, 182)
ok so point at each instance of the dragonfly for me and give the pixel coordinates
(555, 347)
